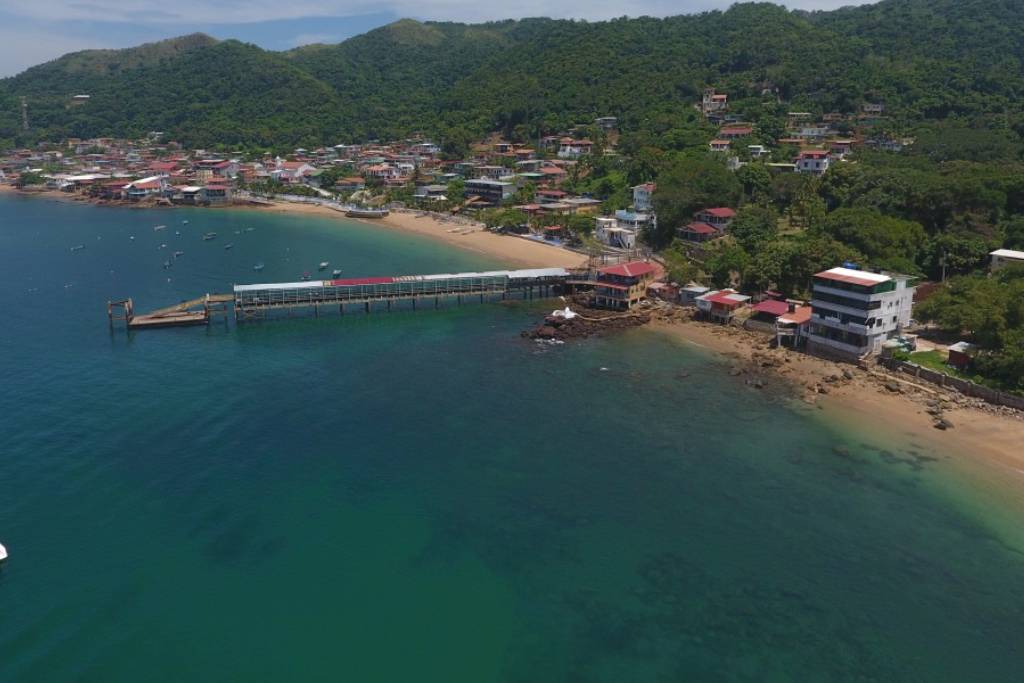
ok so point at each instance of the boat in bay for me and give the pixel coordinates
(209, 236)
(356, 212)
(336, 273)
(323, 265)
(258, 267)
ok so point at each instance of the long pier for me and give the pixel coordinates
(258, 301)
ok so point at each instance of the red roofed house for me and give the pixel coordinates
(719, 217)
(815, 161)
(734, 132)
(146, 187)
(791, 327)
(624, 285)
(721, 305)
(719, 145)
(698, 232)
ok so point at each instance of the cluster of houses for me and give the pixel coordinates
(820, 141)
(851, 314)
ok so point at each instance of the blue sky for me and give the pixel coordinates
(35, 32)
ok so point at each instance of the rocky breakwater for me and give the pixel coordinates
(581, 322)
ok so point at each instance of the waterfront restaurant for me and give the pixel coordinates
(624, 285)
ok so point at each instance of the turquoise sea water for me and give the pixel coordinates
(428, 497)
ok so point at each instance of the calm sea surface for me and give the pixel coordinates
(428, 497)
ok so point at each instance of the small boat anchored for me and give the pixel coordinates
(158, 228)
(178, 253)
(323, 265)
(356, 212)
(336, 273)
(209, 236)
(258, 267)
(229, 245)
(305, 276)
(78, 247)
(3, 552)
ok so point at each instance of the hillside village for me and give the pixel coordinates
(534, 190)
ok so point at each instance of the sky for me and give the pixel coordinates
(36, 32)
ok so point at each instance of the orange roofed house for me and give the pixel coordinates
(624, 285)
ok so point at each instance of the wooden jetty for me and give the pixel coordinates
(258, 301)
(196, 311)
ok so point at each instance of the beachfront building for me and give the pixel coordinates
(1000, 258)
(791, 328)
(854, 311)
(721, 305)
(491, 192)
(624, 285)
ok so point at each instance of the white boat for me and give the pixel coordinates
(336, 272)
(78, 247)
(209, 236)
(3, 552)
(229, 245)
(323, 265)
(157, 228)
(258, 267)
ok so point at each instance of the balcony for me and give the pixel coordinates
(838, 345)
(838, 324)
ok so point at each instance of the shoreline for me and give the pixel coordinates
(982, 446)
(509, 250)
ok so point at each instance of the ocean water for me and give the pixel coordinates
(428, 497)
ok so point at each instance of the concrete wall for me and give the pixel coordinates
(965, 387)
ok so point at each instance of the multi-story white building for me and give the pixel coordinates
(642, 197)
(815, 161)
(854, 311)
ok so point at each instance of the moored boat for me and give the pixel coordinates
(323, 265)
(209, 236)
(336, 272)
(258, 267)
(229, 245)
(366, 213)
(3, 552)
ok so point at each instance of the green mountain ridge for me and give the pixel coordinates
(927, 60)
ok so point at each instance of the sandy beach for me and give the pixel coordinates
(990, 439)
(509, 249)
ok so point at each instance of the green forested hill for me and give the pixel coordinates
(927, 60)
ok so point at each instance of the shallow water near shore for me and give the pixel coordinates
(426, 496)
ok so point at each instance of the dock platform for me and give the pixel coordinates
(258, 301)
